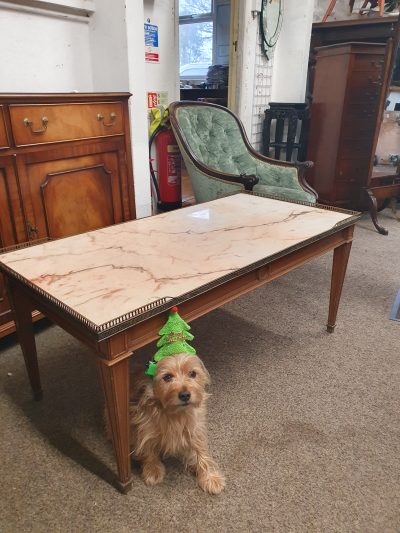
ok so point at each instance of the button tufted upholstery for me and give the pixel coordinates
(213, 138)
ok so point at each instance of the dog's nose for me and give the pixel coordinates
(184, 396)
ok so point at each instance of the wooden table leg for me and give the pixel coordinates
(114, 379)
(340, 260)
(22, 309)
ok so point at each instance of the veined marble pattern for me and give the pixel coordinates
(106, 273)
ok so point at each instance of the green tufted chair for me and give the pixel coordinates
(221, 161)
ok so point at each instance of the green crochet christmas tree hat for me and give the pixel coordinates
(174, 335)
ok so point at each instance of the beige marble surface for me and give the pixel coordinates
(106, 273)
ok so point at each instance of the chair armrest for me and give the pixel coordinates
(301, 166)
(247, 180)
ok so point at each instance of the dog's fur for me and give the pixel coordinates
(168, 418)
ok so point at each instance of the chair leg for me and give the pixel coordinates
(373, 211)
(329, 10)
(381, 7)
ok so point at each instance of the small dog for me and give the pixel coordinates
(168, 418)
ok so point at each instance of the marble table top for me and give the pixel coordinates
(106, 273)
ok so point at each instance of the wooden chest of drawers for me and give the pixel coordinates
(344, 112)
(65, 168)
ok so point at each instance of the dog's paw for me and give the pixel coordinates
(153, 473)
(212, 482)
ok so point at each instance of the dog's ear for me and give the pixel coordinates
(206, 375)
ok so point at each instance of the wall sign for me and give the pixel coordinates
(156, 103)
(155, 99)
(151, 43)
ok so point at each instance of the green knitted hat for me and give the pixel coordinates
(174, 335)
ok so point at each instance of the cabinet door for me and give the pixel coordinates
(12, 228)
(74, 189)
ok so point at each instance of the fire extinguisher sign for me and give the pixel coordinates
(154, 99)
(151, 43)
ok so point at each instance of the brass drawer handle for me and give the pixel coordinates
(28, 123)
(113, 116)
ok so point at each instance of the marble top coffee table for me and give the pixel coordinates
(111, 287)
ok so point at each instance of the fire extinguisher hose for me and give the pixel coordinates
(159, 123)
(158, 130)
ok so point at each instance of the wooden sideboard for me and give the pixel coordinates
(350, 68)
(65, 168)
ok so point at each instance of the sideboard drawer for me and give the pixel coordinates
(38, 124)
(3, 132)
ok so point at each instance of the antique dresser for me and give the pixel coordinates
(65, 168)
(351, 65)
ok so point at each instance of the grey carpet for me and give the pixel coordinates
(304, 424)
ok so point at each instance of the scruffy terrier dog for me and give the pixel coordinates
(168, 418)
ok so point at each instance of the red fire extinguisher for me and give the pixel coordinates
(167, 183)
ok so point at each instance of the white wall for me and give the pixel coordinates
(43, 53)
(289, 76)
(118, 64)
(77, 7)
(164, 76)
(247, 46)
(108, 47)
(138, 107)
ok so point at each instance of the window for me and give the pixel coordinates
(195, 40)
(195, 7)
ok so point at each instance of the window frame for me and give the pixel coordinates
(203, 17)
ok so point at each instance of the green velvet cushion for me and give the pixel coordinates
(205, 187)
(215, 139)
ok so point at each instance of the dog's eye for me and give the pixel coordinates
(192, 374)
(168, 377)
